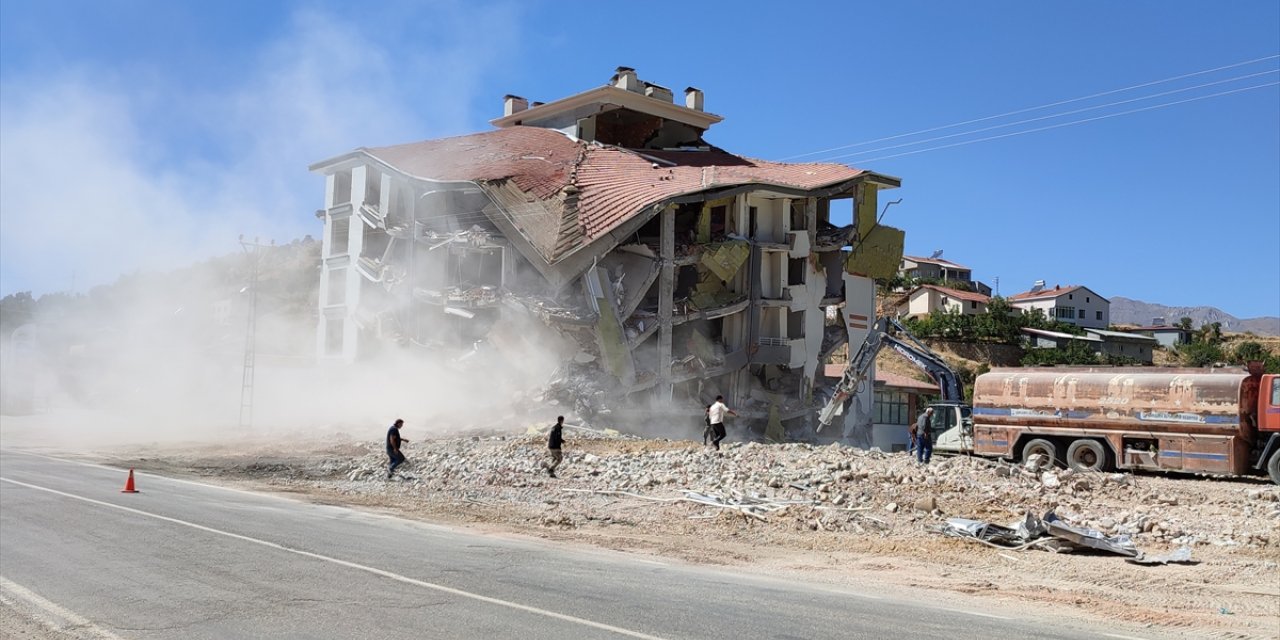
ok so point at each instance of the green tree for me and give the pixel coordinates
(1184, 323)
(1201, 354)
(1076, 352)
(1249, 351)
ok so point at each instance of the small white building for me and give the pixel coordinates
(1168, 336)
(1125, 345)
(926, 299)
(1073, 304)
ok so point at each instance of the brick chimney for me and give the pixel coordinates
(513, 104)
(693, 98)
(625, 78)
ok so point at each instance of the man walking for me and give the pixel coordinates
(555, 440)
(706, 430)
(924, 437)
(716, 414)
(393, 447)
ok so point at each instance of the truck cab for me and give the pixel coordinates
(952, 427)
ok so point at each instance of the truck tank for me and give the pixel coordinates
(1209, 401)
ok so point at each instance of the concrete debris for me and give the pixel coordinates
(823, 488)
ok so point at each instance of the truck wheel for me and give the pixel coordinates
(1088, 455)
(1043, 447)
(1273, 466)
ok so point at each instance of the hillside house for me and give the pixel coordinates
(940, 270)
(925, 299)
(1125, 345)
(667, 270)
(1073, 304)
(1167, 336)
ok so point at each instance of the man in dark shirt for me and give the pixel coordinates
(393, 447)
(555, 440)
(924, 436)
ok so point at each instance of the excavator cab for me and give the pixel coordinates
(952, 427)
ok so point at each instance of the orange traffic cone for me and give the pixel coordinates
(128, 484)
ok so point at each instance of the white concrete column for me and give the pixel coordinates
(859, 317)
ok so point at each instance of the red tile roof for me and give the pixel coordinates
(884, 378)
(967, 296)
(613, 184)
(1045, 293)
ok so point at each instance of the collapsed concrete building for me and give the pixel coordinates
(678, 270)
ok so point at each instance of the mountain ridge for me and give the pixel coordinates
(1130, 311)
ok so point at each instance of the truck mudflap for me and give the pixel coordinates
(1273, 444)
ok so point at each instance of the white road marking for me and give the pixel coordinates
(64, 620)
(351, 565)
(976, 613)
(143, 474)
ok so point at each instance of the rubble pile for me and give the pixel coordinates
(826, 488)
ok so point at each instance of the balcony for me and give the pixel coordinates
(781, 351)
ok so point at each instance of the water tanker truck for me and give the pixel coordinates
(1223, 421)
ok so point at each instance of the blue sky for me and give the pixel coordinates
(145, 134)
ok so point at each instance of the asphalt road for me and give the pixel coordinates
(186, 560)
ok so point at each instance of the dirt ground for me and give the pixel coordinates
(860, 518)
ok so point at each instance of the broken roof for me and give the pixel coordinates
(562, 193)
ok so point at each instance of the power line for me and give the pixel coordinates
(1050, 116)
(1043, 106)
(1073, 122)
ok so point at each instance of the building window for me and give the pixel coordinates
(339, 230)
(1082, 314)
(891, 407)
(333, 337)
(337, 287)
(1069, 296)
(973, 305)
(1088, 299)
(1099, 314)
(1066, 312)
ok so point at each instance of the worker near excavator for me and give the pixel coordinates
(924, 437)
(716, 414)
(393, 447)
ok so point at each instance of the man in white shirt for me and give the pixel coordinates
(716, 413)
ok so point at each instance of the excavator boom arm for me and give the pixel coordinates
(887, 331)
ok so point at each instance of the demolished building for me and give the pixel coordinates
(677, 270)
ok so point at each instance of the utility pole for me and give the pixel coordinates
(253, 250)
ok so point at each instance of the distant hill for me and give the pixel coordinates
(1128, 311)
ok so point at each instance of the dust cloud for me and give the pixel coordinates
(107, 171)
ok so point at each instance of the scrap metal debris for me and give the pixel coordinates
(1054, 534)
(1181, 555)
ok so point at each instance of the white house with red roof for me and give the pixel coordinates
(1072, 304)
(670, 270)
(925, 299)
